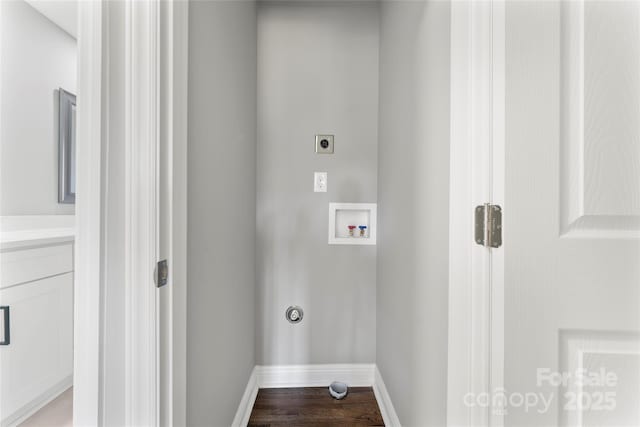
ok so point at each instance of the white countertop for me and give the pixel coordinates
(28, 230)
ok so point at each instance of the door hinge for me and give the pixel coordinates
(161, 275)
(488, 219)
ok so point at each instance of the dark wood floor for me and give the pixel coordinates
(313, 406)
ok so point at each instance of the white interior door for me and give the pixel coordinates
(572, 213)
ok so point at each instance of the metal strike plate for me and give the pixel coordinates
(162, 273)
(479, 225)
(6, 339)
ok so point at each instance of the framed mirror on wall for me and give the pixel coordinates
(66, 147)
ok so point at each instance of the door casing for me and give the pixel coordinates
(155, 76)
(476, 273)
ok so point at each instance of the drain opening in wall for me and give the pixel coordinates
(294, 314)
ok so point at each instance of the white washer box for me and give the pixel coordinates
(341, 215)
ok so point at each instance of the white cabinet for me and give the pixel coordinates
(37, 364)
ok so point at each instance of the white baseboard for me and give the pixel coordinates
(282, 376)
(38, 403)
(384, 401)
(246, 404)
(355, 375)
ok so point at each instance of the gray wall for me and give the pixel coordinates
(413, 211)
(38, 57)
(317, 73)
(221, 208)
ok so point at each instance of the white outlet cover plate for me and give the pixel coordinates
(320, 182)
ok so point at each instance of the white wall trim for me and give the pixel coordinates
(285, 376)
(476, 327)
(88, 253)
(246, 403)
(40, 402)
(142, 65)
(356, 375)
(384, 401)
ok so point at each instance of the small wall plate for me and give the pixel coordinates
(294, 314)
(324, 144)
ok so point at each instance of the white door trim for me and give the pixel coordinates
(475, 349)
(142, 66)
(88, 244)
(143, 87)
(174, 58)
(498, 169)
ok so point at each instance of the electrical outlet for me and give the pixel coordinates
(320, 182)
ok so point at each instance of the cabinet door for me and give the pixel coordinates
(39, 359)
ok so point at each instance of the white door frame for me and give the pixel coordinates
(141, 169)
(89, 221)
(155, 52)
(476, 274)
(173, 221)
